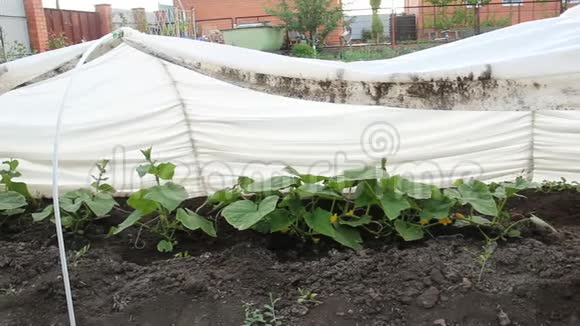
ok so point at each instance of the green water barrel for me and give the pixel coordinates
(255, 36)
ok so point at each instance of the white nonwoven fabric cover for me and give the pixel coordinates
(17, 72)
(539, 48)
(127, 100)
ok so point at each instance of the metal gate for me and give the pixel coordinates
(14, 41)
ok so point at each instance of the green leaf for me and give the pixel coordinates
(169, 195)
(165, 171)
(509, 189)
(133, 218)
(244, 182)
(224, 197)
(245, 213)
(195, 222)
(367, 193)
(356, 221)
(145, 206)
(12, 164)
(147, 153)
(21, 188)
(393, 204)
(347, 236)
(514, 233)
(263, 226)
(541, 223)
(11, 200)
(436, 193)
(500, 192)
(409, 231)
(338, 184)
(165, 246)
(458, 182)
(280, 219)
(67, 221)
(273, 184)
(105, 187)
(44, 214)
(308, 178)
(319, 221)
(391, 184)
(471, 220)
(477, 194)
(294, 204)
(314, 189)
(452, 193)
(71, 205)
(101, 204)
(73, 200)
(436, 208)
(414, 189)
(142, 170)
(13, 212)
(366, 173)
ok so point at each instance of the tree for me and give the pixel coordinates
(444, 22)
(377, 28)
(315, 19)
(477, 4)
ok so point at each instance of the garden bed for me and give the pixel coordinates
(533, 280)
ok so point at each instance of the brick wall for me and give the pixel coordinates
(76, 25)
(531, 10)
(212, 14)
(36, 22)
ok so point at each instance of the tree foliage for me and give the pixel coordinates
(315, 19)
(377, 28)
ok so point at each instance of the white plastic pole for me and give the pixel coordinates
(55, 190)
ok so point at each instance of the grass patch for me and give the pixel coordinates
(368, 53)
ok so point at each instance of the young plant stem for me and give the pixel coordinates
(499, 210)
(138, 237)
(202, 205)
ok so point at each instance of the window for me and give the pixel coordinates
(473, 3)
(512, 2)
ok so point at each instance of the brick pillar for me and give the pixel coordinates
(140, 19)
(105, 14)
(36, 21)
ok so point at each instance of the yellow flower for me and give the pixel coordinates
(350, 213)
(315, 240)
(424, 221)
(285, 230)
(445, 221)
(459, 215)
(334, 218)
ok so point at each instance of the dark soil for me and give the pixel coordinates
(529, 281)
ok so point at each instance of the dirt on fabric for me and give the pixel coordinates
(530, 281)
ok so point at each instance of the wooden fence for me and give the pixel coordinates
(77, 26)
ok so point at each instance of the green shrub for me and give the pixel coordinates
(58, 41)
(315, 19)
(79, 208)
(303, 51)
(158, 210)
(14, 196)
(377, 27)
(367, 35)
(313, 206)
